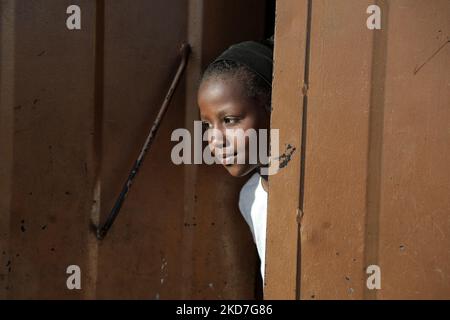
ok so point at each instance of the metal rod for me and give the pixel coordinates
(104, 228)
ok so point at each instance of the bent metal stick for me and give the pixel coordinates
(103, 229)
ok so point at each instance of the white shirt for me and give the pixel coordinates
(253, 206)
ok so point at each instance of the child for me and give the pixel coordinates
(235, 93)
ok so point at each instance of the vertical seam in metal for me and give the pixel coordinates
(97, 139)
(303, 142)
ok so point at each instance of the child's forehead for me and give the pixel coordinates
(222, 88)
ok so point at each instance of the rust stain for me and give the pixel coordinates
(286, 156)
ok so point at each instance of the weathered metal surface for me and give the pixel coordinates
(376, 164)
(284, 187)
(75, 109)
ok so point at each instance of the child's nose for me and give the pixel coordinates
(218, 139)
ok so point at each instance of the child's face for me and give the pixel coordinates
(224, 105)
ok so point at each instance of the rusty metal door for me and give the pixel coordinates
(75, 108)
(367, 112)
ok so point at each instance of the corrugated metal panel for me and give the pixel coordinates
(75, 109)
(376, 164)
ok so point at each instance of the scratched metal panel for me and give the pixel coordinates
(332, 235)
(414, 186)
(75, 109)
(47, 89)
(377, 159)
(284, 188)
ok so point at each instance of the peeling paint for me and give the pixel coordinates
(286, 156)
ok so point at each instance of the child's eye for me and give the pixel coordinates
(206, 125)
(229, 120)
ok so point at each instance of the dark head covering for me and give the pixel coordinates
(257, 56)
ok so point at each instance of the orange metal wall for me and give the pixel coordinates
(75, 109)
(372, 183)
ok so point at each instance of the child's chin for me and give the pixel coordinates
(239, 170)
